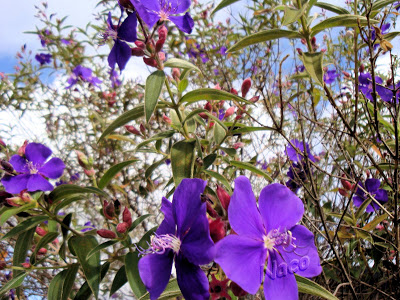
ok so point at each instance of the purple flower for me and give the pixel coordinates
(84, 74)
(152, 11)
(33, 169)
(43, 58)
(122, 33)
(330, 76)
(66, 42)
(267, 233)
(372, 187)
(295, 155)
(115, 81)
(300, 69)
(365, 80)
(222, 51)
(297, 173)
(384, 29)
(87, 227)
(182, 237)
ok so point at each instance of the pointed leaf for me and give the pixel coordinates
(180, 63)
(219, 133)
(333, 8)
(25, 225)
(65, 190)
(119, 280)
(12, 284)
(340, 21)
(101, 247)
(371, 225)
(222, 4)
(154, 85)
(159, 136)
(13, 211)
(61, 285)
(85, 292)
(22, 246)
(308, 286)
(172, 291)
(211, 94)
(250, 167)
(313, 64)
(114, 170)
(182, 160)
(220, 178)
(138, 221)
(48, 238)
(132, 273)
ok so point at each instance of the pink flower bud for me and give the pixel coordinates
(176, 74)
(127, 216)
(107, 234)
(82, 159)
(140, 44)
(299, 51)
(223, 197)
(246, 85)
(167, 120)
(21, 150)
(42, 251)
(142, 129)
(90, 172)
(133, 130)
(137, 52)
(122, 227)
(346, 74)
(150, 61)
(362, 68)
(159, 45)
(217, 87)
(204, 116)
(162, 33)
(303, 41)
(229, 112)
(40, 231)
(238, 145)
(380, 227)
(108, 210)
(343, 192)
(254, 99)
(26, 265)
(347, 185)
(161, 56)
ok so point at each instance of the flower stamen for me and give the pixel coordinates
(160, 243)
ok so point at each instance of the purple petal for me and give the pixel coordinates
(242, 260)
(19, 163)
(127, 31)
(168, 224)
(280, 207)
(37, 153)
(382, 195)
(303, 259)
(297, 157)
(120, 54)
(187, 205)
(180, 5)
(385, 92)
(109, 20)
(372, 185)
(15, 184)
(184, 23)
(243, 214)
(53, 169)
(152, 5)
(357, 200)
(192, 281)
(150, 18)
(155, 270)
(281, 285)
(197, 245)
(37, 183)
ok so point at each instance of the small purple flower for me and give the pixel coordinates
(43, 58)
(33, 169)
(183, 237)
(297, 173)
(66, 42)
(267, 233)
(87, 227)
(216, 72)
(330, 76)
(221, 114)
(296, 156)
(152, 11)
(384, 30)
(122, 33)
(372, 187)
(84, 74)
(300, 69)
(222, 51)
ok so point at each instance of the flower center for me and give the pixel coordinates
(160, 243)
(32, 168)
(109, 33)
(277, 238)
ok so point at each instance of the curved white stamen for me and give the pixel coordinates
(276, 238)
(160, 243)
(32, 168)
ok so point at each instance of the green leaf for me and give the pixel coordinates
(333, 8)
(313, 64)
(171, 291)
(219, 133)
(61, 285)
(220, 178)
(222, 4)
(13, 211)
(82, 245)
(209, 160)
(180, 63)
(126, 117)
(101, 247)
(85, 292)
(378, 5)
(182, 160)
(22, 246)
(132, 273)
(291, 15)
(154, 166)
(114, 170)
(138, 221)
(250, 167)
(65, 190)
(340, 21)
(119, 280)
(182, 85)
(12, 284)
(229, 151)
(308, 286)
(48, 238)
(362, 208)
(264, 36)
(349, 220)
(144, 241)
(25, 225)
(68, 200)
(159, 136)
(211, 94)
(154, 85)
(250, 129)
(371, 225)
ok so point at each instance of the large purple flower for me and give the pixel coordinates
(330, 76)
(151, 11)
(296, 154)
(372, 187)
(43, 58)
(84, 74)
(267, 233)
(33, 169)
(183, 236)
(122, 33)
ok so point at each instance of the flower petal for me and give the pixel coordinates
(242, 260)
(382, 195)
(187, 205)
(150, 18)
(294, 155)
(280, 207)
(357, 200)
(15, 184)
(197, 245)
(180, 5)
(304, 258)
(191, 279)
(37, 153)
(127, 31)
(152, 5)
(53, 169)
(184, 23)
(155, 270)
(372, 185)
(279, 284)
(120, 54)
(168, 224)
(36, 182)
(19, 163)
(243, 214)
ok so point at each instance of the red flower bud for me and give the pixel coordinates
(109, 210)
(176, 74)
(167, 120)
(162, 33)
(137, 52)
(347, 185)
(346, 74)
(254, 99)
(42, 251)
(211, 211)
(159, 45)
(362, 68)
(105, 233)
(208, 106)
(299, 51)
(303, 41)
(90, 172)
(26, 265)
(127, 216)
(133, 130)
(203, 115)
(161, 56)
(21, 150)
(217, 230)
(343, 192)
(40, 231)
(233, 91)
(238, 145)
(223, 197)
(122, 227)
(150, 61)
(246, 85)
(313, 41)
(229, 112)
(142, 129)
(140, 44)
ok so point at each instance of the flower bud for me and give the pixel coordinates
(208, 106)
(203, 115)
(142, 129)
(361, 68)
(150, 61)
(21, 150)
(127, 216)
(303, 41)
(7, 166)
(229, 112)
(40, 231)
(122, 227)
(380, 227)
(246, 85)
(140, 44)
(3, 265)
(82, 159)
(223, 197)
(159, 45)
(299, 51)
(90, 172)
(133, 130)
(161, 56)
(346, 74)
(137, 52)
(217, 230)
(238, 145)
(109, 210)
(211, 211)
(162, 32)
(42, 251)
(176, 74)
(254, 99)
(167, 120)
(347, 185)
(26, 265)
(105, 233)
(233, 91)
(313, 41)
(343, 192)
(150, 46)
